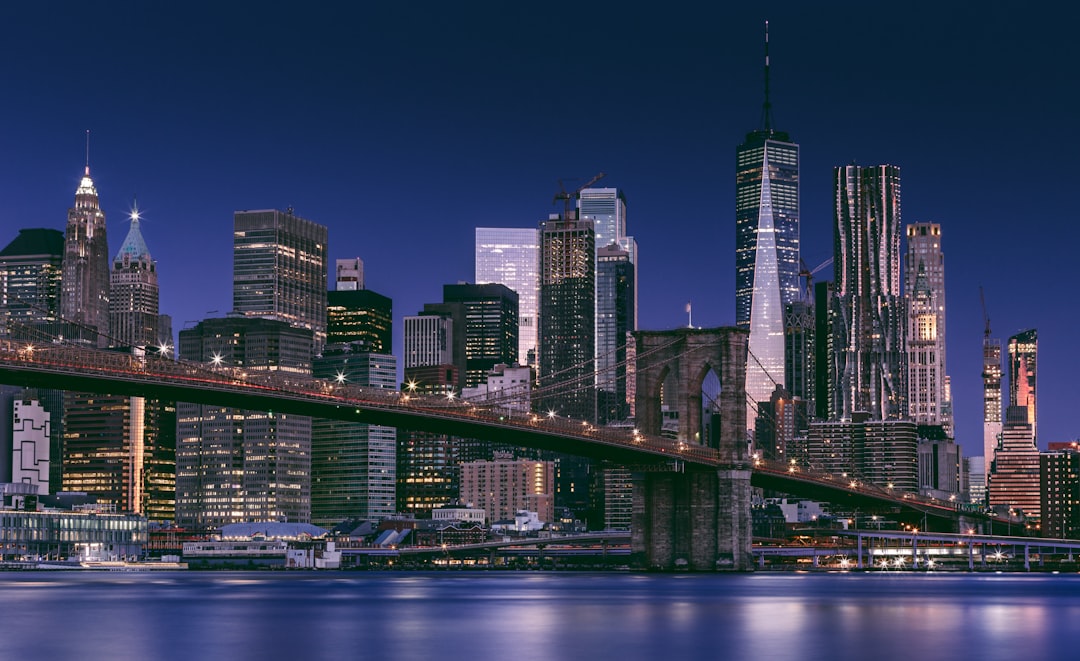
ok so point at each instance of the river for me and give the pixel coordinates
(523, 616)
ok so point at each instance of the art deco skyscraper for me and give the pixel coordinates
(868, 333)
(766, 247)
(1023, 352)
(511, 256)
(279, 269)
(924, 287)
(121, 449)
(85, 282)
(133, 297)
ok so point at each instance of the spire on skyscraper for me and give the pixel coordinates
(766, 108)
(134, 245)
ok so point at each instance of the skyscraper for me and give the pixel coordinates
(606, 208)
(85, 282)
(233, 465)
(924, 287)
(567, 315)
(30, 290)
(615, 314)
(766, 247)
(868, 336)
(353, 464)
(511, 256)
(991, 378)
(133, 286)
(1023, 355)
(1014, 478)
(119, 448)
(30, 272)
(360, 316)
(279, 269)
(489, 319)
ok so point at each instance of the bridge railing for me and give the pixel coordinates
(855, 485)
(153, 366)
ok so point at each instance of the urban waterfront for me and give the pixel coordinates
(537, 615)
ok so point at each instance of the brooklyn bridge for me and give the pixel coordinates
(691, 494)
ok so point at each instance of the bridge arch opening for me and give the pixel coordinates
(710, 404)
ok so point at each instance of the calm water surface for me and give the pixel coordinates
(524, 616)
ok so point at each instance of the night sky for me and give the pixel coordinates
(403, 126)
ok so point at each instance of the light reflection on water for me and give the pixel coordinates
(524, 616)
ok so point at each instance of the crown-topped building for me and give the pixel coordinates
(84, 296)
(766, 246)
(133, 291)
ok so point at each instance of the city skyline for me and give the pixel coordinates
(474, 113)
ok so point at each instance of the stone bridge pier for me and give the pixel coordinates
(695, 519)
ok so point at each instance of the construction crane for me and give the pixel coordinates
(804, 272)
(986, 317)
(566, 197)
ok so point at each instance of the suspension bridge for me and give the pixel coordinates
(691, 495)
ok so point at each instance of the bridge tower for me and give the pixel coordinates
(694, 519)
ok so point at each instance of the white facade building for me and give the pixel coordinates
(428, 340)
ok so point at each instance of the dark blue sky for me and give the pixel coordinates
(403, 126)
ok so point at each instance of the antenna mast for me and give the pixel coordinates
(766, 110)
(87, 152)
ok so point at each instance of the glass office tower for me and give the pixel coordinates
(511, 256)
(766, 247)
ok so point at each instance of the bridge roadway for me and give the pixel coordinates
(79, 368)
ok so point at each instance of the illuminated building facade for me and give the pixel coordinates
(360, 317)
(487, 316)
(924, 286)
(1014, 478)
(85, 281)
(505, 486)
(134, 293)
(1023, 355)
(615, 315)
(428, 471)
(121, 449)
(31, 267)
(30, 272)
(234, 465)
(511, 256)
(353, 465)
(882, 452)
(992, 404)
(869, 358)
(279, 269)
(568, 315)
(1059, 472)
(766, 247)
